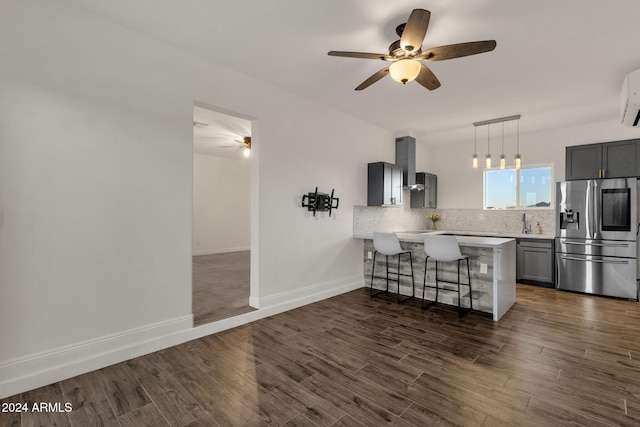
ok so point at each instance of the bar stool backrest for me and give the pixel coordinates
(442, 248)
(387, 243)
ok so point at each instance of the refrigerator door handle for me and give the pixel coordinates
(596, 207)
(601, 261)
(604, 245)
(588, 211)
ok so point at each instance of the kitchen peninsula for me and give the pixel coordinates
(493, 270)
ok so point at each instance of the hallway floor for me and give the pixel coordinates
(220, 286)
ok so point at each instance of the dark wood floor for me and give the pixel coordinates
(555, 359)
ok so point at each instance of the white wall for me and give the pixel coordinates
(96, 188)
(460, 186)
(221, 204)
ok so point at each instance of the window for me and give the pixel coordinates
(528, 188)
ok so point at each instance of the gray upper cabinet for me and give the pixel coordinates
(618, 159)
(583, 161)
(427, 198)
(621, 159)
(384, 184)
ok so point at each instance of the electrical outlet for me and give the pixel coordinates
(483, 268)
(369, 255)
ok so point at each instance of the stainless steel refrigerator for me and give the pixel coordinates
(597, 237)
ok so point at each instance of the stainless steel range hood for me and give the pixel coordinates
(406, 159)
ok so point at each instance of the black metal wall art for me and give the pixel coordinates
(320, 202)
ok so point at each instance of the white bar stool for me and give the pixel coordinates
(388, 245)
(443, 248)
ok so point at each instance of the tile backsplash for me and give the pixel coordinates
(367, 219)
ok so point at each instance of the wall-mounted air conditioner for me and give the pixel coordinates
(630, 97)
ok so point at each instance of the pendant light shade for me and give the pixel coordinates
(503, 161)
(405, 70)
(487, 160)
(517, 161)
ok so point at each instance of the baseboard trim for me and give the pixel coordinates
(309, 294)
(279, 303)
(221, 251)
(39, 369)
(36, 370)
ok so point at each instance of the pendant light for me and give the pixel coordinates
(474, 159)
(487, 161)
(517, 161)
(503, 161)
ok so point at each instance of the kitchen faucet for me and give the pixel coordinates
(526, 229)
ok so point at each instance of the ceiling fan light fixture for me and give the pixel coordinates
(405, 70)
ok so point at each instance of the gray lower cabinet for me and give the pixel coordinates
(535, 262)
(427, 198)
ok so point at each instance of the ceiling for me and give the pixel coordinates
(215, 133)
(557, 62)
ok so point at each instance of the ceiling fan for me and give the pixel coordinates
(245, 144)
(405, 54)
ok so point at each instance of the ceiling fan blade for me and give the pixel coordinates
(245, 142)
(371, 80)
(361, 55)
(415, 30)
(427, 79)
(458, 50)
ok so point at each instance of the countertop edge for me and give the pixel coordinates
(476, 241)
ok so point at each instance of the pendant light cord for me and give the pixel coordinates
(518, 137)
(475, 140)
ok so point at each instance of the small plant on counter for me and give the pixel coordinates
(434, 217)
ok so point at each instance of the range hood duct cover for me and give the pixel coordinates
(406, 159)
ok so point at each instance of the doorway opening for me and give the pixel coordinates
(221, 248)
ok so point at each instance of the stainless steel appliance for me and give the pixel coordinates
(596, 244)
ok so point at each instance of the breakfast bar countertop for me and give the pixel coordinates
(497, 234)
(418, 237)
(493, 267)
